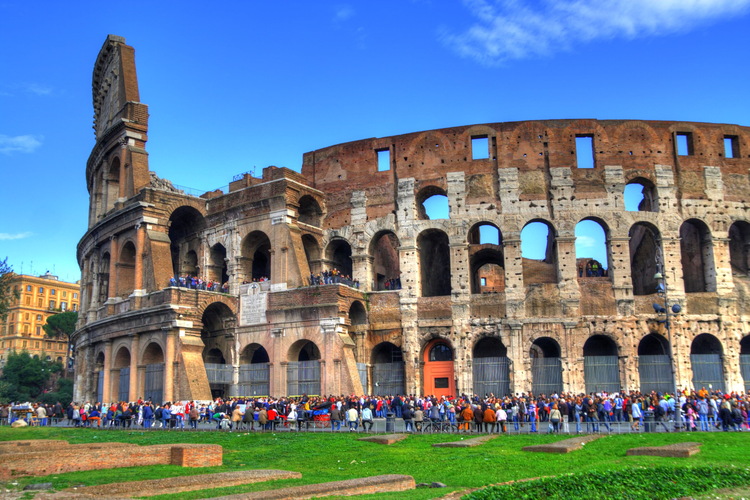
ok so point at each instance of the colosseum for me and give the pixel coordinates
(344, 278)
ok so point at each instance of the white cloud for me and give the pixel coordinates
(585, 242)
(16, 236)
(19, 143)
(343, 13)
(518, 29)
(35, 88)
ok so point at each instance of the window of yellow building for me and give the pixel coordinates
(75, 295)
(52, 291)
(38, 330)
(39, 317)
(28, 301)
(40, 303)
(41, 289)
(51, 304)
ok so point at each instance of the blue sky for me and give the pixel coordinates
(237, 86)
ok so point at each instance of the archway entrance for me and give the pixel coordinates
(153, 381)
(491, 368)
(216, 335)
(546, 368)
(705, 357)
(654, 364)
(99, 369)
(600, 365)
(121, 374)
(439, 379)
(255, 371)
(745, 362)
(388, 374)
(303, 369)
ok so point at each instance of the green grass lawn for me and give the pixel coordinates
(322, 457)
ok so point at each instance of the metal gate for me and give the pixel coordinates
(254, 379)
(601, 374)
(100, 385)
(388, 378)
(154, 383)
(362, 369)
(219, 373)
(745, 370)
(655, 371)
(123, 386)
(546, 376)
(303, 377)
(491, 375)
(707, 371)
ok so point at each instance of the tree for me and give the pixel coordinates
(25, 378)
(7, 294)
(61, 325)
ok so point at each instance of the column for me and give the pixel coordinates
(140, 241)
(134, 354)
(169, 362)
(107, 389)
(515, 292)
(113, 258)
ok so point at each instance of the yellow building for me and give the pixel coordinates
(38, 298)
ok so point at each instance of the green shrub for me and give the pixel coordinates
(633, 483)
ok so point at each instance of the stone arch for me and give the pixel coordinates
(186, 224)
(339, 256)
(256, 256)
(309, 211)
(126, 269)
(536, 270)
(120, 375)
(386, 266)
(697, 255)
(645, 257)
(254, 371)
(438, 369)
(706, 358)
(432, 203)
(486, 258)
(303, 368)
(312, 253)
(388, 373)
(491, 367)
(640, 195)
(546, 366)
(739, 248)
(357, 313)
(745, 361)
(217, 267)
(601, 364)
(153, 360)
(655, 364)
(433, 248)
(592, 258)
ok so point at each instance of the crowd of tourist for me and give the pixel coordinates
(331, 277)
(198, 283)
(567, 413)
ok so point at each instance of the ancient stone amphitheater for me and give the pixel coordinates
(420, 303)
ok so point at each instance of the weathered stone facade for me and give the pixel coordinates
(438, 308)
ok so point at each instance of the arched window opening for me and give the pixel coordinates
(303, 369)
(312, 254)
(103, 278)
(217, 269)
(217, 336)
(487, 260)
(645, 251)
(697, 255)
(339, 256)
(434, 263)
(539, 252)
(654, 364)
(491, 367)
(705, 357)
(739, 248)
(601, 365)
(441, 352)
(388, 374)
(485, 233)
(254, 371)
(126, 270)
(546, 367)
(153, 381)
(310, 212)
(591, 249)
(99, 370)
(185, 226)
(640, 196)
(439, 378)
(121, 374)
(432, 204)
(357, 314)
(256, 257)
(745, 361)
(386, 268)
(112, 183)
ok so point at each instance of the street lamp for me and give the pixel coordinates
(666, 310)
